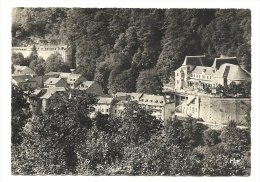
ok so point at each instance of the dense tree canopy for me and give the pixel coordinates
(137, 39)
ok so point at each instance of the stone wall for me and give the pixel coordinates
(222, 110)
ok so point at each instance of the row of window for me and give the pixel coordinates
(201, 76)
(191, 109)
(156, 101)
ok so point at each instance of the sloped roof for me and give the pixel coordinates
(72, 78)
(23, 78)
(195, 60)
(53, 73)
(64, 75)
(232, 72)
(23, 70)
(200, 69)
(179, 70)
(20, 68)
(134, 96)
(88, 83)
(155, 100)
(105, 100)
(222, 60)
(50, 91)
(52, 81)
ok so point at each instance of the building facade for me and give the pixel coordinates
(23, 81)
(55, 82)
(196, 74)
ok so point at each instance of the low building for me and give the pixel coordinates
(23, 70)
(162, 109)
(55, 82)
(74, 80)
(133, 96)
(91, 87)
(23, 81)
(104, 105)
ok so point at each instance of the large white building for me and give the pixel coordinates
(46, 51)
(196, 73)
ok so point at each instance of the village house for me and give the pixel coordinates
(133, 96)
(23, 70)
(74, 80)
(91, 87)
(104, 105)
(55, 82)
(23, 81)
(161, 109)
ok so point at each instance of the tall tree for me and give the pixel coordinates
(51, 138)
(149, 82)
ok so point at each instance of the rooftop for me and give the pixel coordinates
(195, 60)
(134, 96)
(105, 100)
(23, 78)
(52, 81)
(155, 100)
(72, 78)
(222, 60)
(200, 69)
(50, 91)
(233, 72)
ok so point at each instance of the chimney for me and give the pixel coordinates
(72, 71)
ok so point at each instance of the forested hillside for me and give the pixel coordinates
(113, 46)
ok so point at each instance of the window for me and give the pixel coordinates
(192, 109)
(199, 76)
(177, 74)
(156, 101)
(177, 82)
(213, 71)
(195, 109)
(115, 111)
(102, 110)
(146, 100)
(151, 100)
(209, 77)
(106, 110)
